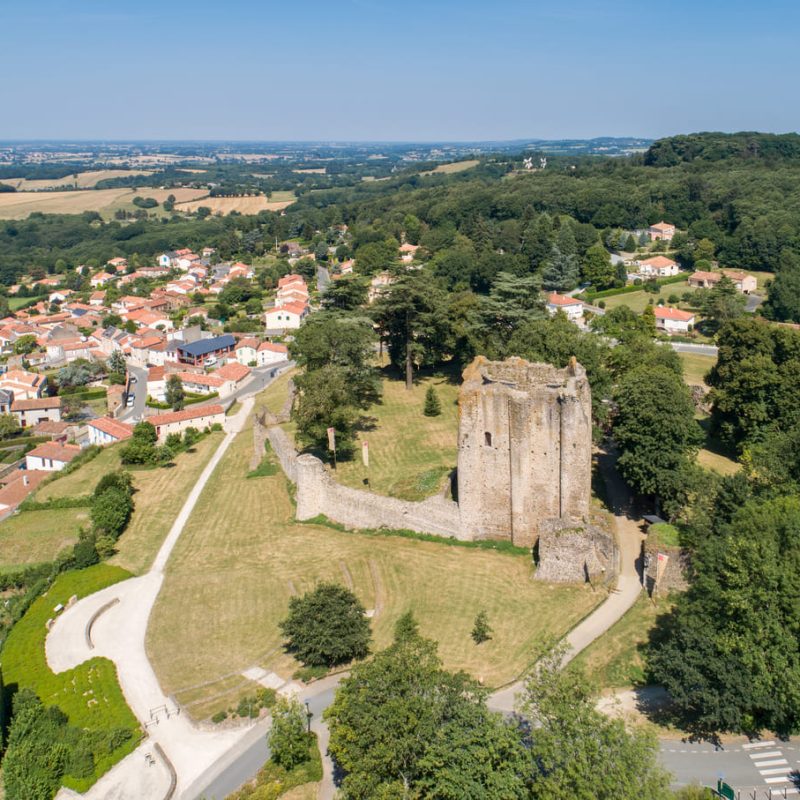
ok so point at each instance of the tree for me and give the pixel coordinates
(412, 319)
(630, 244)
(141, 448)
(512, 302)
(346, 294)
(433, 406)
(783, 301)
(401, 726)
(25, 345)
(481, 632)
(326, 627)
(704, 250)
(562, 271)
(8, 426)
(721, 304)
(576, 750)
(376, 256)
(656, 432)
(174, 393)
(728, 653)
(111, 511)
(287, 738)
(116, 362)
(597, 267)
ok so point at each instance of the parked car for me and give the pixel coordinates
(131, 399)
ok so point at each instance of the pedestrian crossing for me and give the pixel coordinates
(774, 768)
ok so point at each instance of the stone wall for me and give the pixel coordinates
(524, 448)
(570, 553)
(318, 493)
(283, 448)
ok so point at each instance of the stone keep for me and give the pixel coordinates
(524, 448)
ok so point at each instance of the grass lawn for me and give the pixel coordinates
(32, 537)
(637, 301)
(695, 367)
(410, 455)
(717, 462)
(89, 694)
(241, 557)
(15, 303)
(615, 660)
(274, 396)
(159, 495)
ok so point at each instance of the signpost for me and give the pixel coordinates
(725, 790)
(365, 459)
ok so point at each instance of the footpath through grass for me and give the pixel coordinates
(242, 557)
(90, 694)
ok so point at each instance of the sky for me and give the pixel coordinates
(385, 70)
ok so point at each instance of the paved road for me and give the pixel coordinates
(753, 302)
(140, 390)
(323, 279)
(699, 349)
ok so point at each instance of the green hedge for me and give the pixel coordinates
(88, 394)
(190, 399)
(591, 296)
(57, 502)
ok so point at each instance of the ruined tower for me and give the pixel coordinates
(524, 448)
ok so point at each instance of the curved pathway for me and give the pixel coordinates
(119, 634)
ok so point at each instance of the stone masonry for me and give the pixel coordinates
(524, 448)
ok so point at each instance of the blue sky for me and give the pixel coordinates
(389, 70)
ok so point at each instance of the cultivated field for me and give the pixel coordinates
(85, 180)
(32, 537)
(19, 205)
(159, 495)
(244, 205)
(241, 557)
(449, 169)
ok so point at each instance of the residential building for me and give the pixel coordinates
(288, 317)
(105, 430)
(569, 305)
(199, 353)
(269, 353)
(199, 417)
(101, 279)
(661, 231)
(25, 385)
(673, 320)
(658, 267)
(246, 350)
(743, 282)
(18, 485)
(36, 410)
(233, 374)
(51, 456)
(200, 383)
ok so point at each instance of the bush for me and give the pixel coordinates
(326, 626)
(111, 511)
(220, 716)
(116, 480)
(288, 740)
(433, 406)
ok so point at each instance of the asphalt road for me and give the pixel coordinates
(323, 279)
(139, 389)
(699, 349)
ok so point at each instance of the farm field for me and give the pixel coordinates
(241, 557)
(244, 205)
(32, 537)
(410, 455)
(89, 694)
(105, 201)
(85, 180)
(158, 498)
(449, 169)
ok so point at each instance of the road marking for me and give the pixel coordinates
(773, 763)
(776, 771)
(771, 754)
(783, 792)
(753, 745)
(776, 780)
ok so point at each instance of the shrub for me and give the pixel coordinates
(481, 632)
(326, 626)
(111, 511)
(433, 406)
(120, 479)
(220, 716)
(288, 740)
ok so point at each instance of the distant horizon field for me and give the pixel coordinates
(86, 179)
(243, 205)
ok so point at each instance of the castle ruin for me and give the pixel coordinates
(524, 448)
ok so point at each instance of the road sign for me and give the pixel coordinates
(726, 791)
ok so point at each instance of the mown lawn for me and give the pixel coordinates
(32, 537)
(241, 557)
(616, 659)
(637, 301)
(89, 694)
(696, 367)
(158, 497)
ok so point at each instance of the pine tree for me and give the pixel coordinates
(562, 271)
(432, 405)
(481, 631)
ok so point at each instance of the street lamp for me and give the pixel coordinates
(309, 714)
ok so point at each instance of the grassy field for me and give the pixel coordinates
(717, 462)
(86, 180)
(449, 169)
(695, 367)
(244, 205)
(32, 537)
(106, 201)
(415, 464)
(615, 659)
(89, 694)
(637, 301)
(241, 557)
(158, 498)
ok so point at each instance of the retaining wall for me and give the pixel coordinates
(284, 449)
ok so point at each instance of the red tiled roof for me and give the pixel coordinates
(201, 379)
(183, 416)
(662, 226)
(233, 371)
(292, 308)
(248, 341)
(36, 404)
(556, 299)
(274, 348)
(16, 490)
(665, 312)
(55, 451)
(660, 261)
(113, 427)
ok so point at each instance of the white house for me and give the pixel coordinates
(101, 279)
(51, 456)
(35, 410)
(288, 317)
(658, 267)
(673, 320)
(269, 353)
(246, 351)
(569, 305)
(199, 417)
(106, 430)
(25, 385)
